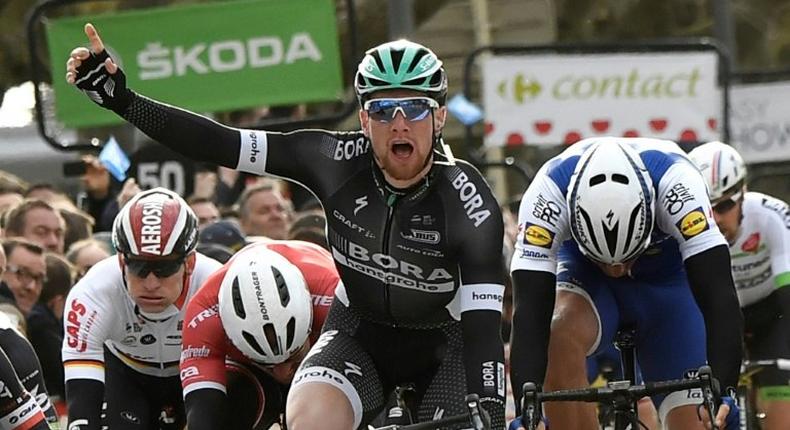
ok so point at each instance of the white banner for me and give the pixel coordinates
(759, 121)
(562, 98)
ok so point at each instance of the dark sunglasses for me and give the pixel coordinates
(412, 108)
(726, 205)
(160, 268)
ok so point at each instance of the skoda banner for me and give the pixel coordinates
(759, 121)
(561, 98)
(208, 57)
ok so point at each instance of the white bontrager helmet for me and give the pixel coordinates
(722, 168)
(265, 306)
(611, 203)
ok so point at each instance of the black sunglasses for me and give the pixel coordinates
(160, 268)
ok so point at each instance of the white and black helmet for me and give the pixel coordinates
(265, 306)
(722, 168)
(611, 202)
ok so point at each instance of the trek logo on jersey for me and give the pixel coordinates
(537, 236)
(467, 191)
(693, 223)
(752, 244)
(203, 315)
(151, 231)
(676, 197)
(546, 210)
(346, 150)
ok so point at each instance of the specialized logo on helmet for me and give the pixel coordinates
(538, 236)
(693, 223)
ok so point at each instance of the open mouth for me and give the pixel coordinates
(402, 149)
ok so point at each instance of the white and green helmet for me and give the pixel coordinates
(401, 64)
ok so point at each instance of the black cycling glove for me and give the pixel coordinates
(107, 90)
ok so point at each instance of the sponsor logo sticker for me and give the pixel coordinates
(693, 223)
(538, 236)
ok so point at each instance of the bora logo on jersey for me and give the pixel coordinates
(693, 223)
(537, 236)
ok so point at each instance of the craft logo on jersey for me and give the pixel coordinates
(151, 232)
(676, 197)
(752, 244)
(537, 236)
(693, 223)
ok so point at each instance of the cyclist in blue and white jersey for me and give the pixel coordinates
(757, 228)
(623, 228)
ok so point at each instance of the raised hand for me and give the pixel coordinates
(97, 75)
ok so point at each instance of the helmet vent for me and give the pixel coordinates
(416, 81)
(377, 57)
(290, 330)
(587, 221)
(631, 225)
(271, 339)
(397, 56)
(378, 82)
(621, 179)
(238, 303)
(416, 60)
(253, 343)
(282, 287)
(597, 179)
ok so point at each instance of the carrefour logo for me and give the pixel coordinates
(630, 85)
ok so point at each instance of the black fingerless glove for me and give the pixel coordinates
(107, 90)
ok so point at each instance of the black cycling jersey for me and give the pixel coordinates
(421, 257)
(24, 402)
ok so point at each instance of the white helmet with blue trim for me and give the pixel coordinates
(611, 202)
(722, 168)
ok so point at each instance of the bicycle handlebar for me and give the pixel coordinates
(779, 363)
(474, 416)
(620, 392)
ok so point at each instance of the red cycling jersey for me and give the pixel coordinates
(205, 346)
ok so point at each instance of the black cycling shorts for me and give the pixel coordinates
(766, 339)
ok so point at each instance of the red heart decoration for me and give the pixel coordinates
(688, 135)
(514, 139)
(543, 127)
(658, 124)
(630, 133)
(572, 137)
(752, 243)
(488, 128)
(712, 123)
(600, 125)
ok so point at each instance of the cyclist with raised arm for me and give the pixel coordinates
(757, 228)
(248, 329)
(24, 402)
(123, 319)
(416, 236)
(644, 251)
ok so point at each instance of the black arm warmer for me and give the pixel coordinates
(190, 134)
(484, 352)
(710, 278)
(206, 409)
(84, 398)
(533, 306)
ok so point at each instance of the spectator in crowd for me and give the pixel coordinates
(43, 191)
(85, 253)
(25, 274)
(224, 232)
(79, 225)
(9, 198)
(205, 209)
(309, 227)
(101, 190)
(264, 211)
(37, 221)
(45, 322)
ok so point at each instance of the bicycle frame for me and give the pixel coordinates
(474, 417)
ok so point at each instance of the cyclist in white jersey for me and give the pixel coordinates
(757, 228)
(123, 319)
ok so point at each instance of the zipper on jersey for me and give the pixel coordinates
(392, 200)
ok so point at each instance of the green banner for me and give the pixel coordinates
(208, 57)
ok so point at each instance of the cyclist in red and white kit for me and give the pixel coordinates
(248, 329)
(123, 319)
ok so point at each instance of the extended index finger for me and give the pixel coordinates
(97, 46)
